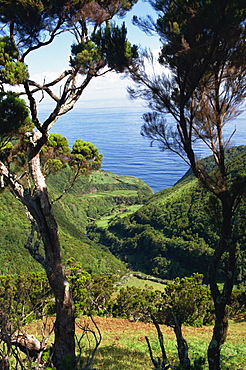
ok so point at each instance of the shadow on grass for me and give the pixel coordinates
(116, 358)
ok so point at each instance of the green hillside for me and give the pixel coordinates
(106, 220)
(100, 193)
(175, 232)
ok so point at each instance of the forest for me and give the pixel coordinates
(176, 228)
(73, 235)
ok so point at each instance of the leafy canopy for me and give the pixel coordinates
(56, 154)
(14, 116)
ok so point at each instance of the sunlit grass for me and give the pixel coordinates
(124, 347)
(139, 283)
(119, 212)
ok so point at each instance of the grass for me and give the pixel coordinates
(140, 283)
(114, 193)
(120, 212)
(123, 345)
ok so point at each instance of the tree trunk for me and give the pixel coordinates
(221, 298)
(182, 345)
(64, 345)
(218, 338)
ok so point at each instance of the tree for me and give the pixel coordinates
(202, 87)
(183, 301)
(25, 28)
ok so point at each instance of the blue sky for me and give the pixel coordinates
(48, 62)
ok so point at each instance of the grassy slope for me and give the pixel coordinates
(72, 213)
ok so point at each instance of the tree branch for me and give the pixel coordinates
(53, 34)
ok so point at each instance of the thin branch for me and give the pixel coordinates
(33, 248)
(67, 188)
(45, 43)
(52, 83)
(161, 340)
(97, 337)
(154, 362)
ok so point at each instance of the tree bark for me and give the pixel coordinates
(64, 345)
(221, 298)
(182, 345)
(218, 338)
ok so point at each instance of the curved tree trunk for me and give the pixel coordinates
(64, 345)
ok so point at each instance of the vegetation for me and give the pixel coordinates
(203, 49)
(25, 28)
(176, 229)
(27, 305)
(73, 212)
(125, 345)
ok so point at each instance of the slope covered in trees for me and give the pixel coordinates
(172, 234)
(176, 231)
(93, 195)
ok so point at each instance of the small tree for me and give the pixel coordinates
(202, 87)
(25, 28)
(185, 301)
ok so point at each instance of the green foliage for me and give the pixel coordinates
(14, 258)
(23, 298)
(55, 154)
(188, 299)
(233, 154)
(160, 229)
(108, 46)
(237, 302)
(14, 116)
(5, 150)
(37, 19)
(12, 71)
(86, 56)
(27, 297)
(58, 143)
(135, 303)
(82, 159)
(115, 48)
(91, 293)
(73, 213)
(85, 156)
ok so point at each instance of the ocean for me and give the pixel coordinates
(116, 133)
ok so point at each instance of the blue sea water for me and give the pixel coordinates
(116, 133)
